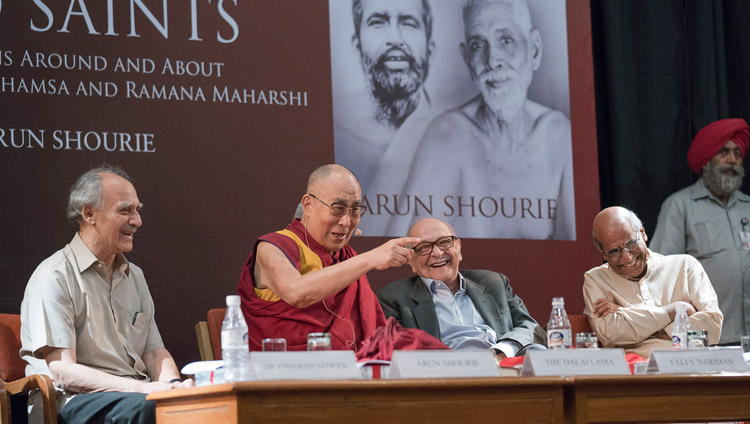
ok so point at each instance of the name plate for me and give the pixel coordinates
(443, 363)
(315, 365)
(575, 362)
(716, 359)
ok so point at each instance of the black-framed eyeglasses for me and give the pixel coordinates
(443, 243)
(614, 254)
(339, 210)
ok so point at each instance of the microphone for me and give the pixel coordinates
(357, 232)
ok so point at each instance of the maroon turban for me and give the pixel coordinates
(713, 137)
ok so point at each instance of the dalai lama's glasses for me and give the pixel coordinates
(614, 254)
(443, 243)
(339, 210)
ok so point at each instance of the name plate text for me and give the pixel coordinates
(315, 365)
(443, 363)
(575, 362)
(717, 359)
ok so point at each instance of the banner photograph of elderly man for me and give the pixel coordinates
(456, 110)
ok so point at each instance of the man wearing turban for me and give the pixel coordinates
(709, 220)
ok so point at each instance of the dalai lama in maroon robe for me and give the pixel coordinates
(306, 278)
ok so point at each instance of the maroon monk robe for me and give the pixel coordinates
(352, 314)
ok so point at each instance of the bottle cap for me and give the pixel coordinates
(681, 307)
(233, 300)
(558, 301)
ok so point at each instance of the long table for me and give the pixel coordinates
(658, 398)
(579, 399)
(455, 400)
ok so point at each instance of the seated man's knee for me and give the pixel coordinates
(109, 407)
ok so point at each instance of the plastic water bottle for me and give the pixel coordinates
(234, 347)
(558, 328)
(680, 327)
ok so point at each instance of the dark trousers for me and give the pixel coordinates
(108, 408)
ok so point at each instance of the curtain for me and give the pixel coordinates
(663, 70)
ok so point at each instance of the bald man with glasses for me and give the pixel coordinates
(632, 299)
(471, 309)
(307, 279)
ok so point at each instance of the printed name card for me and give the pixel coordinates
(715, 359)
(575, 362)
(315, 365)
(443, 363)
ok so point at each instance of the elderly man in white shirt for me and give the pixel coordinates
(631, 300)
(87, 317)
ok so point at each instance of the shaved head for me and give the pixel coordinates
(612, 217)
(324, 171)
(620, 237)
(331, 185)
(415, 229)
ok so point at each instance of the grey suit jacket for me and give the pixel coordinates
(410, 302)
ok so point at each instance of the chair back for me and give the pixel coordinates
(12, 367)
(214, 318)
(579, 323)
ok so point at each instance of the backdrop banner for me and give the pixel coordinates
(220, 109)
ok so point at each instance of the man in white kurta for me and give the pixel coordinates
(631, 300)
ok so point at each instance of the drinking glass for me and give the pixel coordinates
(746, 344)
(274, 345)
(586, 341)
(318, 341)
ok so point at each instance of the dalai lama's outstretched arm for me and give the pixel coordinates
(274, 271)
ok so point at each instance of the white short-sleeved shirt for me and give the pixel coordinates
(69, 303)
